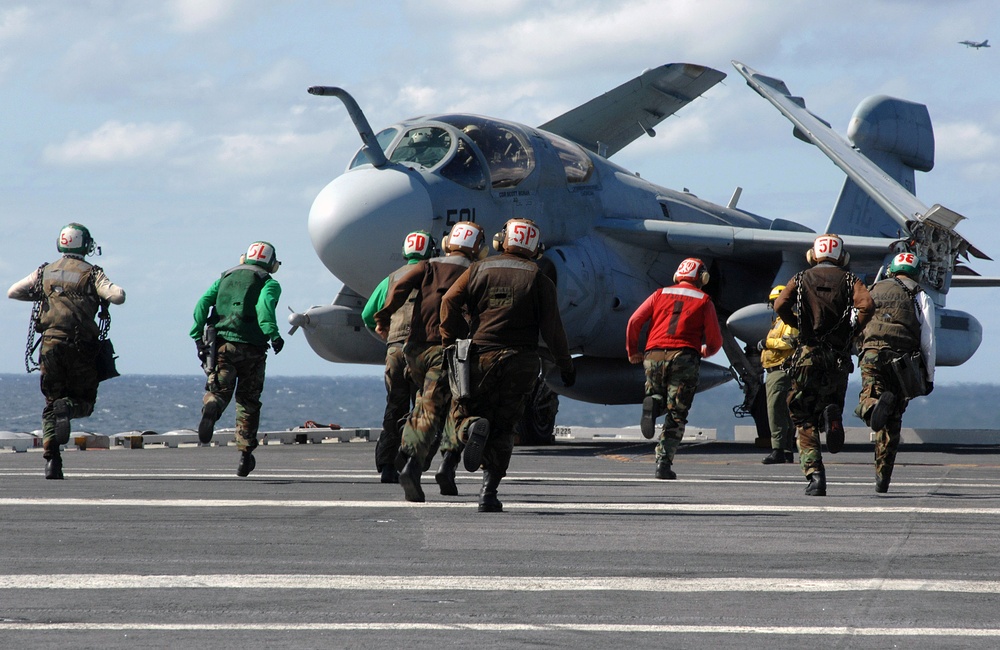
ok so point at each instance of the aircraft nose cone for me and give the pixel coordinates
(358, 222)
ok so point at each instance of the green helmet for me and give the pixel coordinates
(262, 254)
(905, 263)
(418, 245)
(75, 239)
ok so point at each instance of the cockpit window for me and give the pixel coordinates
(384, 139)
(464, 168)
(575, 162)
(425, 146)
(506, 150)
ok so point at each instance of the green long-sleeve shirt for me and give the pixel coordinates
(267, 303)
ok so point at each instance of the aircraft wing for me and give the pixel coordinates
(729, 242)
(902, 206)
(606, 124)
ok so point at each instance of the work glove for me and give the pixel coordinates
(278, 344)
(761, 345)
(568, 377)
(203, 350)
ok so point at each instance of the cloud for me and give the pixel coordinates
(13, 22)
(965, 141)
(197, 15)
(115, 142)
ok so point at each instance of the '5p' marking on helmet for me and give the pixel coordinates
(905, 263)
(418, 245)
(75, 239)
(828, 248)
(262, 254)
(519, 237)
(466, 237)
(692, 270)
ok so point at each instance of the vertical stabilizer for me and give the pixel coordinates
(897, 136)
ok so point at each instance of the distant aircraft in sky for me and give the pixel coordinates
(974, 44)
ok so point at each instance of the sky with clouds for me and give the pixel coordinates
(180, 131)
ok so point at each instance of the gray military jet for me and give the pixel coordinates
(974, 44)
(611, 237)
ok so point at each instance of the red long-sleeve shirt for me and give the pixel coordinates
(681, 316)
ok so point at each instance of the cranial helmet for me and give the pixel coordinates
(905, 263)
(466, 237)
(692, 270)
(261, 253)
(775, 292)
(75, 239)
(519, 237)
(418, 245)
(828, 248)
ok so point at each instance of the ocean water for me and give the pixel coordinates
(166, 403)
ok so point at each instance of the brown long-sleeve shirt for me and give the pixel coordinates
(825, 298)
(431, 278)
(509, 303)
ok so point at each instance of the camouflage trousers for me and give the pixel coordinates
(673, 375)
(424, 429)
(819, 379)
(68, 372)
(876, 378)
(502, 380)
(399, 395)
(776, 386)
(239, 370)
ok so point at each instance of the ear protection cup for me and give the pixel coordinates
(810, 259)
(498, 240)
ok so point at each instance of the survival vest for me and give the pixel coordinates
(399, 324)
(236, 304)
(895, 324)
(69, 300)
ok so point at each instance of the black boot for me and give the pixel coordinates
(878, 417)
(409, 478)
(776, 457)
(476, 433)
(663, 471)
(247, 463)
(53, 465)
(651, 409)
(206, 427)
(445, 475)
(882, 483)
(817, 484)
(389, 474)
(488, 501)
(61, 413)
(833, 422)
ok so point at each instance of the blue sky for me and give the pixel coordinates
(180, 131)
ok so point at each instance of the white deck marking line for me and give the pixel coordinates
(244, 626)
(510, 505)
(102, 581)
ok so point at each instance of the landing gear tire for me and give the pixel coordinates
(538, 424)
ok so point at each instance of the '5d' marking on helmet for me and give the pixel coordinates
(519, 237)
(828, 248)
(692, 270)
(467, 238)
(905, 263)
(262, 254)
(418, 245)
(75, 239)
